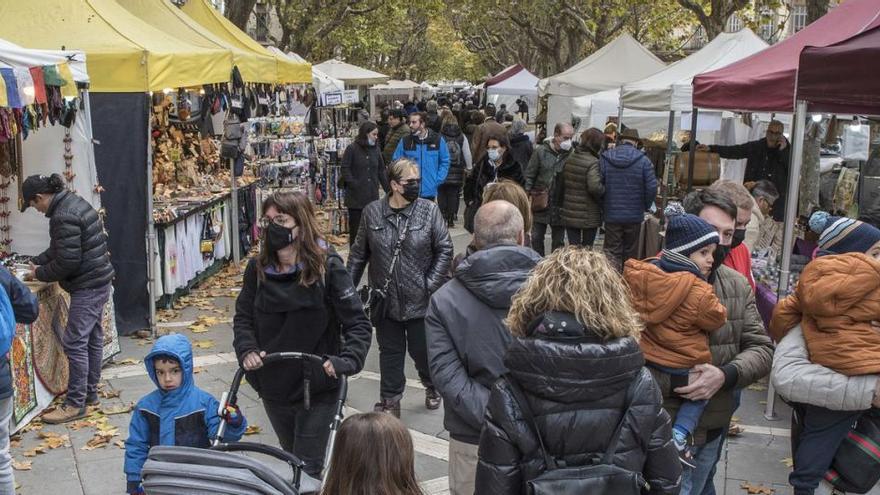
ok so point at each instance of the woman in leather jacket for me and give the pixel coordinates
(574, 357)
(420, 269)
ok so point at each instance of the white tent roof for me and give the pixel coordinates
(671, 89)
(350, 74)
(321, 81)
(12, 55)
(522, 83)
(621, 61)
(395, 84)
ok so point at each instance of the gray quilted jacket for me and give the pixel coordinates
(425, 256)
(798, 380)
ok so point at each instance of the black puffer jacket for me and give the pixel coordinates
(575, 385)
(77, 257)
(425, 255)
(521, 149)
(484, 173)
(452, 134)
(363, 171)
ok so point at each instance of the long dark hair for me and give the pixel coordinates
(366, 128)
(308, 248)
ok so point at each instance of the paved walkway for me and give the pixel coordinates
(756, 458)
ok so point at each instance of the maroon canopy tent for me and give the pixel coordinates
(504, 74)
(842, 78)
(766, 81)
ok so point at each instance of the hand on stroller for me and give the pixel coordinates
(329, 369)
(134, 488)
(253, 360)
(233, 417)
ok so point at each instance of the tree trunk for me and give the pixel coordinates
(816, 9)
(239, 11)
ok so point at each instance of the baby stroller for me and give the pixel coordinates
(172, 470)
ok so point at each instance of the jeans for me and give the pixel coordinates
(447, 200)
(7, 478)
(557, 237)
(700, 480)
(688, 416)
(393, 337)
(83, 342)
(822, 431)
(581, 237)
(354, 222)
(621, 242)
(302, 433)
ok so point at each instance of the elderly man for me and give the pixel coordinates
(741, 351)
(466, 333)
(767, 158)
(762, 231)
(544, 168)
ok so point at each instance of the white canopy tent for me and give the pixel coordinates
(349, 74)
(405, 90)
(520, 84)
(321, 81)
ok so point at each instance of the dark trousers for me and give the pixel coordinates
(821, 433)
(447, 199)
(557, 237)
(621, 243)
(581, 237)
(304, 433)
(354, 222)
(393, 337)
(83, 342)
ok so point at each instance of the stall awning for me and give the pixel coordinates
(208, 17)
(514, 80)
(621, 61)
(842, 78)
(163, 15)
(670, 89)
(351, 75)
(393, 85)
(12, 55)
(125, 54)
(766, 81)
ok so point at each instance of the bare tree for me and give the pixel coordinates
(239, 11)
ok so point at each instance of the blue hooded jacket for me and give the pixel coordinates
(186, 416)
(431, 154)
(630, 184)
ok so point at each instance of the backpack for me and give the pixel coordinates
(456, 157)
(600, 477)
(7, 322)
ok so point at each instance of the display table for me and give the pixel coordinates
(36, 358)
(765, 300)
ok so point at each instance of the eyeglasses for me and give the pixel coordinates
(280, 220)
(774, 133)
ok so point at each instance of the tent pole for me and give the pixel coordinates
(619, 110)
(236, 237)
(797, 158)
(151, 230)
(669, 165)
(692, 149)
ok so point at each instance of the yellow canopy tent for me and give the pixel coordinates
(288, 70)
(162, 15)
(124, 54)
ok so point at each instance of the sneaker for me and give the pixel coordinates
(685, 456)
(391, 407)
(432, 398)
(63, 414)
(93, 400)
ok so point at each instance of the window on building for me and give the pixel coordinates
(798, 17)
(734, 24)
(698, 40)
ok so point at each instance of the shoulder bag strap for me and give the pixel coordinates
(615, 437)
(396, 253)
(520, 398)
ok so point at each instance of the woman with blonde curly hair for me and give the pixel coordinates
(576, 366)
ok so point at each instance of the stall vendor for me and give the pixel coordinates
(767, 158)
(79, 261)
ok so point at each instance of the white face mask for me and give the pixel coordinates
(565, 145)
(494, 154)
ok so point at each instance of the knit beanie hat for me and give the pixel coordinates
(841, 235)
(686, 233)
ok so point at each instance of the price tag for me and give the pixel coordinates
(236, 102)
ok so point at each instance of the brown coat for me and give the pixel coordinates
(679, 310)
(835, 301)
(482, 134)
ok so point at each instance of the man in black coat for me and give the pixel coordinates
(766, 158)
(466, 334)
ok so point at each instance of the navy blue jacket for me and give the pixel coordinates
(26, 309)
(630, 184)
(186, 416)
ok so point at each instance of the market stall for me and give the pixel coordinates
(511, 84)
(354, 77)
(621, 61)
(43, 84)
(403, 91)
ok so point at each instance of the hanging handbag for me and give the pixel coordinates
(856, 465)
(206, 246)
(539, 199)
(232, 135)
(375, 300)
(599, 477)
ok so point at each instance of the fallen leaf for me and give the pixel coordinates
(127, 361)
(109, 394)
(124, 408)
(757, 387)
(21, 465)
(757, 489)
(788, 461)
(197, 328)
(120, 444)
(252, 430)
(198, 369)
(203, 344)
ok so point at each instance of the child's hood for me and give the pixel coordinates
(832, 285)
(657, 294)
(177, 346)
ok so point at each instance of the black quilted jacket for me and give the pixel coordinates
(424, 259)
(77, 257)
(575, 385)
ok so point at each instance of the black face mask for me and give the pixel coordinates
(411, 190)
(718, 257)
(278, 237)
(739, 235)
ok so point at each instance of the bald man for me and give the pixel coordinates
(466, 334)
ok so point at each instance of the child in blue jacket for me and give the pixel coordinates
(178, 413)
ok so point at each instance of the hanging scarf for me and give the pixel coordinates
(13, 100)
